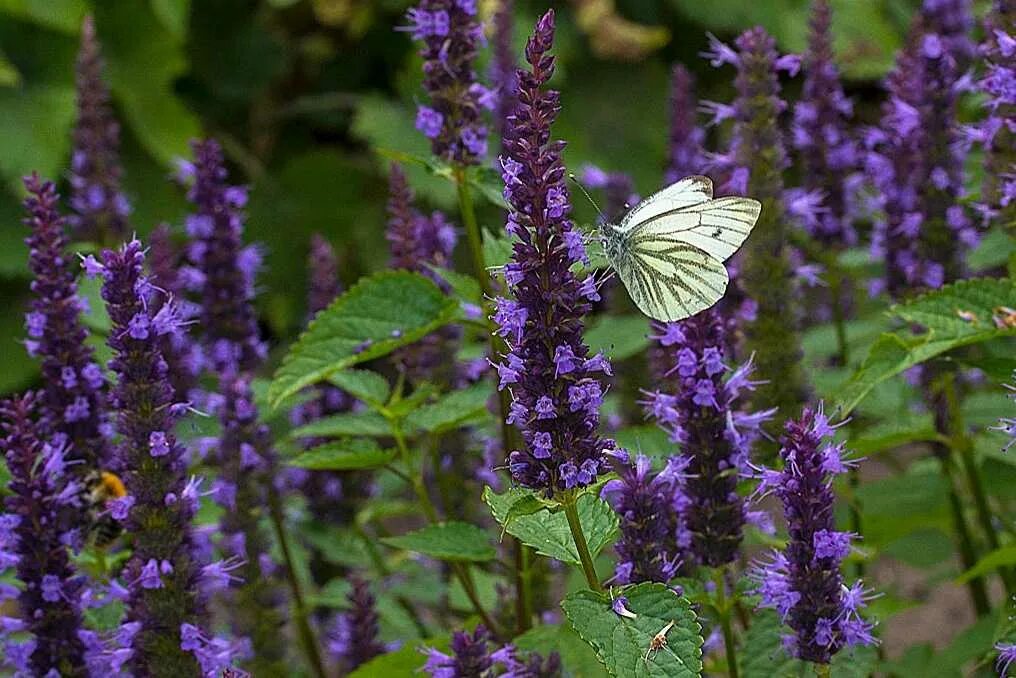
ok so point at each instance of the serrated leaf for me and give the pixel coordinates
(370, 387)
(454, 540)
(376, 316)
(621, 642)
(345, 424)
(452, 411)
(344, 455)
(618, 336)
(955, 315)
(549, 534)
(515, 502)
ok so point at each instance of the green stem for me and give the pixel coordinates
(420, 489)
(822, 670)
(962, 447)
(854, 480)
(968, 555)
(310, 645)
(571, 511)
(509, 437)
(839, 318)
(724, 607)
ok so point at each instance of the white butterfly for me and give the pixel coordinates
(669, 250)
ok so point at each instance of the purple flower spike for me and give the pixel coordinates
(503, 65)
(449, 32)
(354, 640)
(686, 137)
(997, 132)
(162, 568)
(323, 275)
(716, 436)
(470, 656)
(74, 400)
(803, 583)
(548, 360)
(99, 205)
(34, 534)
(649, 505)
(417, 243)
(754, 166)
(180, 350)
(227, 267)
(821, 135)
(915, 161)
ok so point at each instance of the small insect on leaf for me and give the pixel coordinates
(966, 316)
(658, 642)
(1004, 317)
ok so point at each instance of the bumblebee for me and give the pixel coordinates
(99, 488)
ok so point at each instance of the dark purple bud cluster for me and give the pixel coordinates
(34, 536)
(450, 31)
(73, 400)
(803, 583)
(100, 208)
(650, 506)
(702, 415)
(686, 136)
(555, 384)
(472, 657)
(354, 639)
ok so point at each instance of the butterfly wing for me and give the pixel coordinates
(717, 227)
(671, 258)
(670, 282)
(684, 193)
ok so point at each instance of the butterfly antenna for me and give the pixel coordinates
(592, 202)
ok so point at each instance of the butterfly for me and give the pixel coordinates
(670, 248)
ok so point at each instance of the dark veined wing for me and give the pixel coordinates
(717, 227)
(670, 281)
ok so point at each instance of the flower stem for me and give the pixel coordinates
(961, 446)
(968, 556)
(509, 438)
(571, 511)
(822, 670)
(724, 607)
(420, 489)
(310, 644)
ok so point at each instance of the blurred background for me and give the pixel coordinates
(302, 92)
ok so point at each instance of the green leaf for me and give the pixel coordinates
(892, 434)
(97, 319)
(956, 315)
(144, 60)
(761, 654)
(370, 387)
(618, 336)
(577, 657)
(376, 316)
(406, 661)
(344, 455)
(173, 14)
(497, 250)
(515, 502)
(62, 15)
(345, 424)
(925, 547)
(1001, 557)
(488, 182)
(621, 642)
(646, 439)
(548, 532)
(9, 75)
(34, 131)
(453, 410)
(463, 286)
(455, 541)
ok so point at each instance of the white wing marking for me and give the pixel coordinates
(717, 227)
(684, 193)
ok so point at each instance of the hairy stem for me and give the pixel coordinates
(725, 607)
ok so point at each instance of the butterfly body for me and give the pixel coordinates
(670, 248)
